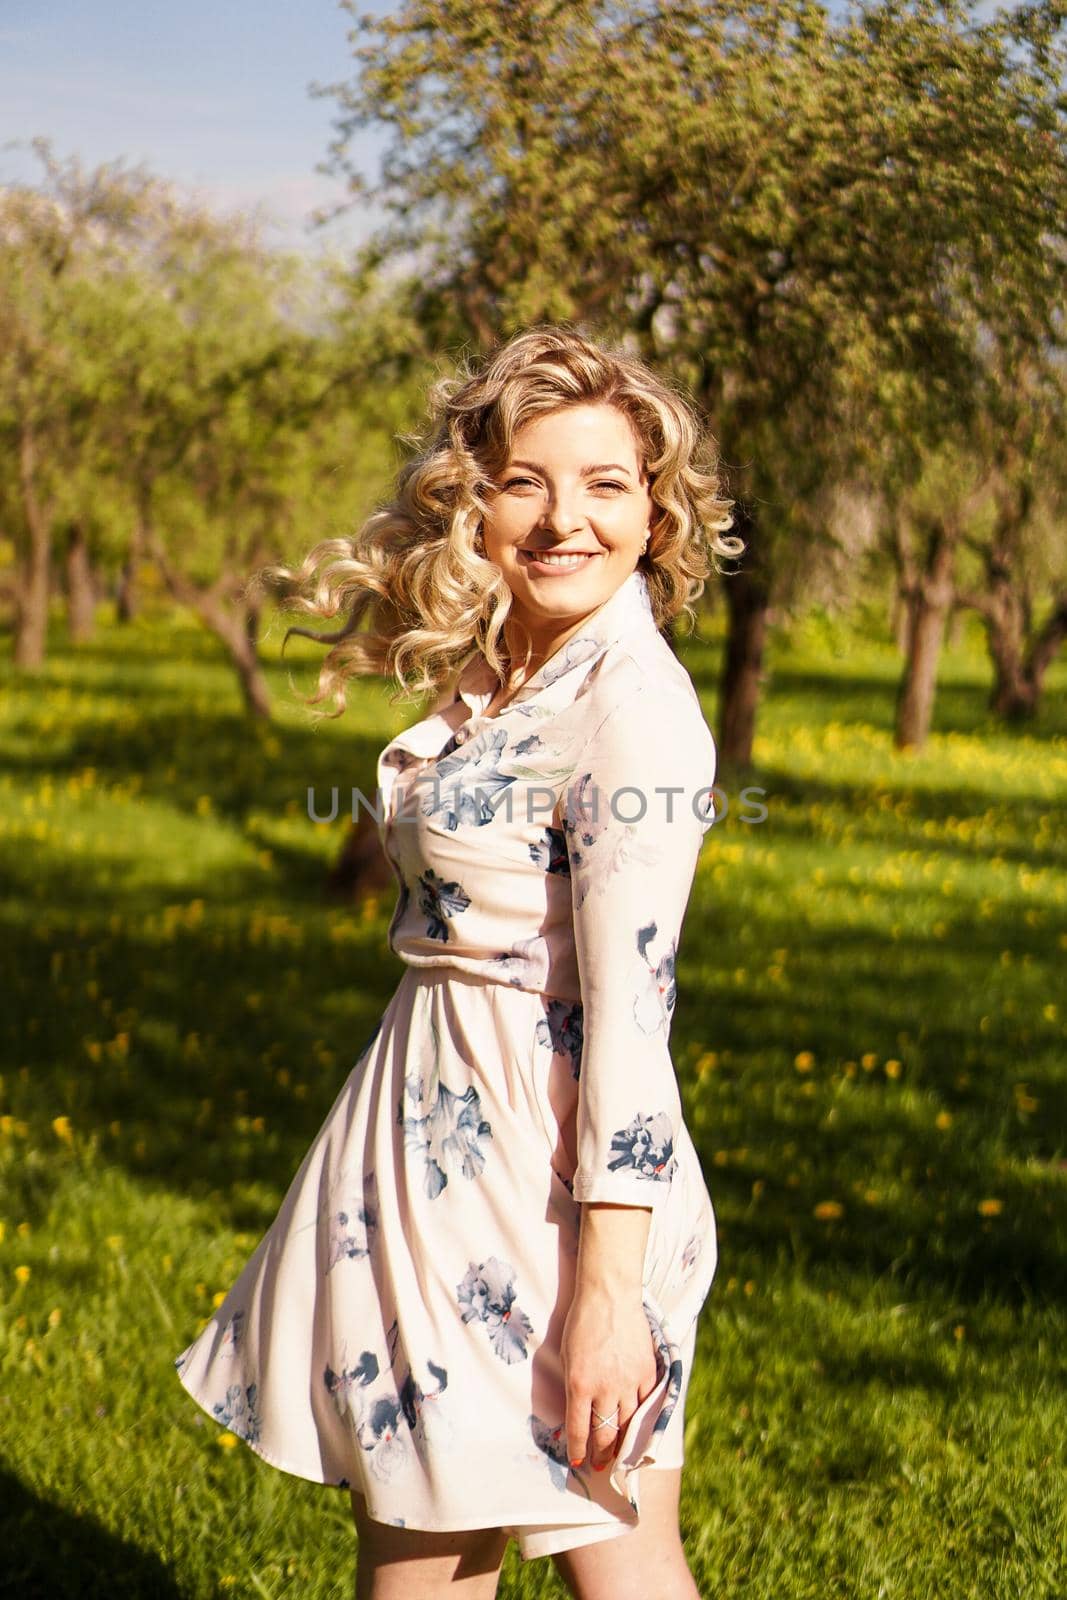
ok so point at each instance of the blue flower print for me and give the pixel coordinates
(352, 1227)
(238, 1412)
(439, 900)
(487, 1294)
(448, 1134)
(532, 741)
(468, 782)
(553, 1446)
(647, 1145)
(664, 970)
(339, 1385)
(413, 1396)
(586, 817)
(561, 1027)
(690, 1254)
(231, 1338)
(379, 1419)
(550, 852)
(669, 1361)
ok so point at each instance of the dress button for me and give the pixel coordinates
(461, 735)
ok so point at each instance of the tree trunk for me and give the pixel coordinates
(747, 601)
(127, 600)
(249, 668)
(930, 595)
(1018, 670)
(900, 617)
(81, 590)
(31, 591)
(233, 627)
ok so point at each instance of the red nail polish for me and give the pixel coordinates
(576, 1463)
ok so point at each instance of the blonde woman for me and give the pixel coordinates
(476, 1308)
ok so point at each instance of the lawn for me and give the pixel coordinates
(871, 1032)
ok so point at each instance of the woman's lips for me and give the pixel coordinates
(556, 569)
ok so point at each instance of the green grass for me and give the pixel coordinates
(871, 1035)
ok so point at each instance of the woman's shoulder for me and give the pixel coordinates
(643, 695)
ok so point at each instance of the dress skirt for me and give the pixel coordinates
(397, 1329)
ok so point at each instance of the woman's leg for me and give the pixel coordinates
(407, 1564)
(647, 1563)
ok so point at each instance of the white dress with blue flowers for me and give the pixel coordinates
(397, 1329)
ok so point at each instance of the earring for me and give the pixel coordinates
(644, 547)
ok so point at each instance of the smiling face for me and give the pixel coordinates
(568, 518)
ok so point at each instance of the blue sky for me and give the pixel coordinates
(212, 96)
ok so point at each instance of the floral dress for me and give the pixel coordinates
(397, 1329)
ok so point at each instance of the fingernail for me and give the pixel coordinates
(576, 1463)
(599, 1468)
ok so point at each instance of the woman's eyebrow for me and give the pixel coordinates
(583, 472)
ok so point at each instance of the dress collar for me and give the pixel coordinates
(628, 610)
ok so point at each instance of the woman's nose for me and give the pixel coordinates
(561, 516)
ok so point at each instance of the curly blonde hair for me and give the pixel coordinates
(414, 571)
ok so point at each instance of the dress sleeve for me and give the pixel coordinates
(635, 815)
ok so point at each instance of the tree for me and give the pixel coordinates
(802, 217)
(52, 240)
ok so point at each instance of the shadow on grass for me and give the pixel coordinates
(230, 1020)
(52, 1554)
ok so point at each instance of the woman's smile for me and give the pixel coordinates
(553, 563)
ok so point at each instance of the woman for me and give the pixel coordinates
(476, 1308)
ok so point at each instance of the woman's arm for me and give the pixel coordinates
(608, 1358)
(634, 823)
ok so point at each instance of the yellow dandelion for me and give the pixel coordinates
(1050, 1013)
(869, 1061)
(7, 1124)
(871, 1196)
(990, 1208)
(114, 1241)
(707, 1062)
(958, 1331)
(227, 1440)
(721, 1158)
(218, 1297)
(758, 1188)
(3, 1230)
(1023, 1100)
(92, 1049)
(829, 1211)
(804, 1061)
(893, 1069)
(750, 1287)
(63, 1130)
(24, 1230)
(55, 1317)
(22, 1274)
(167, 1262)
(943, 1120)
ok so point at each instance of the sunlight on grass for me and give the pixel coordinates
(870, 1035)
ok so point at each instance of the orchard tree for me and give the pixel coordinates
(801, 214)
(54, 238)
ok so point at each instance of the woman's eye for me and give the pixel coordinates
(513, 483)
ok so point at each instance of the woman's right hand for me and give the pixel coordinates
(609, 1367)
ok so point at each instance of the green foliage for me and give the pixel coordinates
(870, 1038)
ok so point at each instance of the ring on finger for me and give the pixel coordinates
(607, 1422)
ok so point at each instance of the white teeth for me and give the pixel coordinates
(557, 561)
